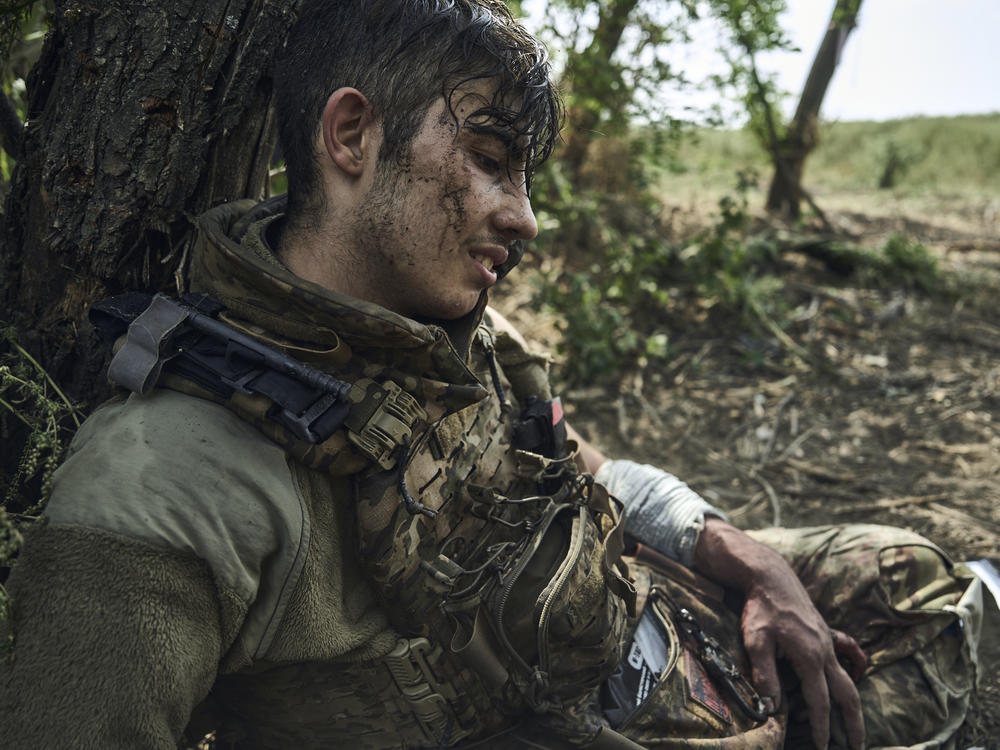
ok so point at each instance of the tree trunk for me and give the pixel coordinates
(591, 80)
(141, 115)
(785, 194)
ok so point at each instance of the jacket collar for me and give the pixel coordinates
(233, 260)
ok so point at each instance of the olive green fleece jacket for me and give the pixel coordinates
(181, 546)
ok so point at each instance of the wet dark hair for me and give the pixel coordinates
(403, 55)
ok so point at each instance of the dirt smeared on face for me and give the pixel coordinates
(433, 227)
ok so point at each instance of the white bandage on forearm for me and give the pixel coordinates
(660, 510)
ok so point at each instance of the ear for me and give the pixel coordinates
(348, 129)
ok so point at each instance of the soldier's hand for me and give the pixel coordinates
(780, 621)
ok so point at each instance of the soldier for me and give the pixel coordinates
(340, 506)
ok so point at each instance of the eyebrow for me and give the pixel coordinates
(516, 147)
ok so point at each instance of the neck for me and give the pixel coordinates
(321, 254)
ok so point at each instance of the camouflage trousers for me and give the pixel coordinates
(914, 613)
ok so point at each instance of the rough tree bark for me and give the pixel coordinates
(142, 114)
(785, 194)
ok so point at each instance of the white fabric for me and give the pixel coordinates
(660, 510)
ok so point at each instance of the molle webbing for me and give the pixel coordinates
(416, 696)
(431, 692)
(524, 586)
(324, 423)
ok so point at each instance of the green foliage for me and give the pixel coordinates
(614, 308)
(32, 400)
(616, 73)
(907, 263)
(612, 292)
(725, 262)
(955, 155)
(734, 272)
(899, 263)
(595, 334)
(13, 13)
(22, 30)
(752, 27)
(34, 413)
(614, 56)
(617, 58)
(613, 258)
(894, 164)
(277, 179)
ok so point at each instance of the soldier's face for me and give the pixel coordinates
(433, 227)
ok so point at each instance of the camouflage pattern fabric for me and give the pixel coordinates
(356, 339)
(892, 590)
(896, 594)
(558, 622)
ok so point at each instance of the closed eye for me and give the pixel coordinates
(487, 162)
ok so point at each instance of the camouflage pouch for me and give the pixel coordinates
(695, 693)
(554, 609)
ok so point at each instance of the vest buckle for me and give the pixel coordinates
(383, 421)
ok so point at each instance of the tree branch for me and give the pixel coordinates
(774, 144)
(11, 128)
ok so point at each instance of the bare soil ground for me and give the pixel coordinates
(892, 418)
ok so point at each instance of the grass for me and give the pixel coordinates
(952, 154)
(955, 159)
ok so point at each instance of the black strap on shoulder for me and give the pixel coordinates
(186, 338)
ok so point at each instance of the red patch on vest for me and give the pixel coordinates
(557, 411)
(702, 689)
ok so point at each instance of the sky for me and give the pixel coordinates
(906, 57)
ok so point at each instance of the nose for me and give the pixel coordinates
(514, 218)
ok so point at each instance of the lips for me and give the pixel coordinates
(489, 256)
(484, 259)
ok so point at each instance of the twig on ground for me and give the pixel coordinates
(747, 507)
(959, 409)
(962, 517)
(649, 409)
(782, 405)
(801, 356)
(954, 449)
(623, 432)
(717, 457)
(816, 472)
(773, 497)
(676, 373)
